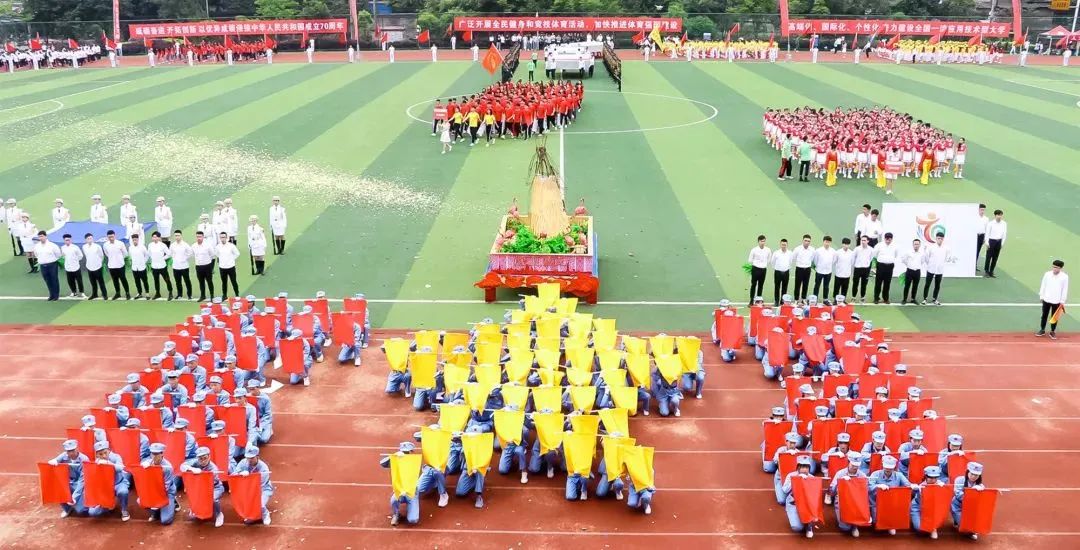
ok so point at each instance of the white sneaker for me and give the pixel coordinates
(584, 496)
(394, 519)
(646, 412)
(810, 533)
(855, 532)
(892, 531)
(524, 477)
(974, 536)
(933, 534)
(551, 472)
(266, 518)
(648, 509)
(307, 381)
(618, 495)
(329, 342)
(124, 516)
(64, 514)
(828, 498)
(219, 520)
(321, 358)
(356, 362)
(444, 499)
(678, 412)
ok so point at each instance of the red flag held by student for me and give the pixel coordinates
(879, 411)
(321, 308)
(245, 492)
(896, 432)
(200, 492)
(247, 353)
(937, 37)
(85, 439)
(35, 43)
(148, 43)
(977, 511)
(957, 463)
(917, 463)
(875, 460)
(861, 433)
(779, 342)
(72, 44)
(215, 335)
(342, 323)
(823, 435)
(934, 506)
(99, 485)
(845, 408)
(869, 383)
(467, 36)
(104, 419)
(788, 462)
(219, 450)
(730, 329)
(149, 418)
(269, 43)
(235, 421)
(10, 47)
(772, 39)
(774, 434)
(196, 417)
(150, 485)
(492, 59)
(175, 445)
(292, 356)
(55, 483)
(899, 384)
(807, 493)
(151, 378)
(305, 322)
(126, 443)
(228, 42)
(682, 40)
(916, 407)
(833, 381)
(450, 29)
(264, 328)
(975, 40)
(814, 346)
(639, 37)
(891, 44)
(755, 318)
(424, 37)
(887, 360)
(842, 314)
(804, 408)
(934, 433)
(853, 360)
(893, 508)
(854, 500)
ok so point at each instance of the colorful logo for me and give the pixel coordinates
(929, 226)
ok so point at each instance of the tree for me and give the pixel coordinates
(676, 9)
(314, 9)
(752, 6)
(177, 9)
(698, 25)
(276, 9)
(820, 8)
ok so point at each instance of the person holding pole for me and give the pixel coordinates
(1053, 291)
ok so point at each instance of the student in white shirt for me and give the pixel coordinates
(913, 261)
(204, 253)
(73, 267)
(873, 228)
(127, 210)
(47, 254)
(181, 263)
(278, 223)
(996, 231)
(759, 265)
(864, 254)
(781, 265)
(232, 224)
(60, 215)
(824, 261)
(98, 212)
(159, 256)
(140, 256)
(936, 256)
(164, 219)
(257, 245)
(95, 260)
(804, 258)
(1053, 291)
(886, 255)
(205, 226)
(980, 236)
(227, 254)
(860, 223)
(115, 254)
(842, 270)
(26, 232)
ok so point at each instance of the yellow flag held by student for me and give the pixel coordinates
(550, 377)
(604, 325)
(613, 454)
(404, 474)
(489, 375)
(453, 417)
(517, 395)
(490, 339)
(422, 367)
(517, 369)
(547, 359)
(547, 344)
(614, 378)
(519, 317)
(638, 461)
(523, 328)
(585, 423)
(460, 359)
(625, 398)
(477, 448)
(615, 421)
(548, 293)
(533, 305)
(451, 340)
(579, 328)
(435, 447)
(662, 345)
(397, 353)
(609, 359)
(604, 340)
(548, 327)
(638, 366)
(508, 426)
(518, 342)
(689, 348)
(654, 35)
(476, 395)
(581, 358)
(549, 430)
(634, 346)
(576, 342)
(427, 338)
(670, 367)
(566, 306)
(454, 377)
(547, 397)
(579, 377)
(488, 354)
(583, 397)
(579, 449)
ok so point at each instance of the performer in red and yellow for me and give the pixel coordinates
(830, 166)
(926, 164)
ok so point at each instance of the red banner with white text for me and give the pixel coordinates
(250, 27)
(884, 26)
(567, 24)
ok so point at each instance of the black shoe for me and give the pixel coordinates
(1053, 335)
(92, 297)
(992, 276)
(202, 299)
(116, 297)
(887, 302)
(877, 301)
(127, 297)
(1040, 333)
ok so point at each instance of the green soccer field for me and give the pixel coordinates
(678, 197)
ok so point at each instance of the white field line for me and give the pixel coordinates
(99, 88)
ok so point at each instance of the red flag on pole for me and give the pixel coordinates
(384, 38)
(35, 44)
(784, 18)
(891, 44)
(228, 42)
(268, 44)
(55, 483)
(854, 500)
(10, 47)
(934, 503)
(937, 37)
(99, 485)
(423, 37)
(639, 37)
(975, 40)
(682, 40)
(977, 511)
(72, 44)
(467, 36)
(807, 493)
(893, 508)
(492, 60)
(355, 20)
(150, 486)
(1021, 41)
(450, 29)
(1017, 24)
(200, 491)
(246, 495)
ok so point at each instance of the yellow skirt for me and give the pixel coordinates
(830, 173)
(924, 178)
(880, 175)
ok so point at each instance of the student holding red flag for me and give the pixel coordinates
(155, 482)
(201, 463)
(120, 482)
(931, 479)
(913, 446)
(850, 496)
(971, 479)
(74, 460)
(253, 465)
(884, 479)
(792, 499)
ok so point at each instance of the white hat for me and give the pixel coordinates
(125, 197)
(888, 462)
(160, 199)
(61, 201)
(253, 218)
(879, 437)
(275, 198)
(95, 197)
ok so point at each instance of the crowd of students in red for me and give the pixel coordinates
(521, 109)
(213, 52)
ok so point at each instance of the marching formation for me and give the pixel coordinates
(945, 51)
(194, 419)
(520, 109)
(540, 393)
(877, 143)
(853, 413)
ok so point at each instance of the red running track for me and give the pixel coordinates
(1012, 397)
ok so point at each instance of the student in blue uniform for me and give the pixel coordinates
(973, 479)
(914, 445)
(121, 484)
(167, 513)
(884, 479)
(114, 406)
(201, 463)
(190, 444)
(469, 482)
(853, 471)
(931, 476)
(251, 464)
(144, 441)
(351, 350)
(412, 504)
(71, 456)
(802, 469)
(791, 446)
(265, 428)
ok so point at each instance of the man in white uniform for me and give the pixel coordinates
(217, 219)
(204, 264)
(278, 222)
(232, 224)
(181, 256)
(98, 212)
(73, 267)
(227, 254)
(759, 265)
(913, 260)
(60, 215)
(804, 258)
(256, 245)
(115, 254)
(163, 217)
(1053, 292)
(936, 256)
(95, 259)
(47, 254)
(12, 216)
(140, 257)
(127, 210)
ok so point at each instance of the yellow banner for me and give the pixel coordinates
(638, 461)
(550, 377)
(613, 455)
(581, 358)
(689, 348)
(476, 395)
(548, 293)
(477, 448)
(547, 328)
(579, 377)
(489, 375)
(615, 421)
(549, 430)
(547, 344)
(404, 474)
(547, 397)
(662, 345)
(508, 426)
(585, 423)
(583, 397)
(488, 354)
(610, 359)
(566, 306)
(604, 340)
(461, 359)
(634, 346)
(547, 359)
(625, 398)
(517, 369)
(614, 378)
(638, 365)
(454, 377)
(670, 367)
(397, 353)
(435, 447)
(579, 449)
(604, 325)
(452, 340)
(453, 417)
(515, 395)
(422, 367)
(427, 338)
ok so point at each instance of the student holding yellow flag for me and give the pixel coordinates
(477, 447)
(397, 354)
(579, 449)
(665, 385)
(638, 461)
(424, 378)
(688, 349)
(511, 428)
(404, 477)
(546, 449)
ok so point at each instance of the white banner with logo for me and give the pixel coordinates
(921, 220)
